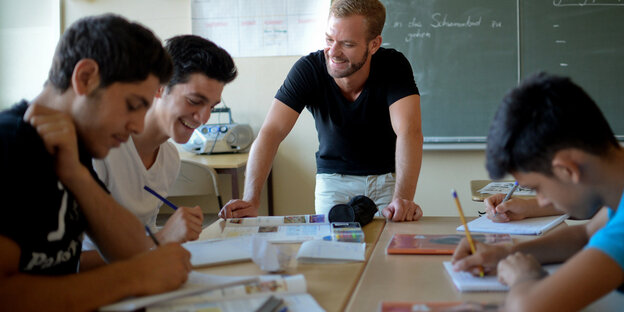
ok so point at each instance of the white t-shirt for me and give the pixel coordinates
(125, 176)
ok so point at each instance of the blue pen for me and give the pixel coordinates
(164, 200)
(151, 235)
(513, 189)
(508, 196)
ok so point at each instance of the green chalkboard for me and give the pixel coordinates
(466, 54)
(581, 39)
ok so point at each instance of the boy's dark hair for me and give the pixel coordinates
(125, 51)
(542, 116)
(193, 54)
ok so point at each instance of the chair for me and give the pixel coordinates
(195, 179)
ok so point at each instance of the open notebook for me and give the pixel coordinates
(466, 282)
(528, 226)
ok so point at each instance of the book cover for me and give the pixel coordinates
(437, 244)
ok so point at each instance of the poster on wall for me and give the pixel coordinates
(248, 28)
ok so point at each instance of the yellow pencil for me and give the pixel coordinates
(473, 249)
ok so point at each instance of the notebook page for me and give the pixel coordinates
(465, 282)
(528, 226)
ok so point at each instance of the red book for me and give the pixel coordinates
(436, 244)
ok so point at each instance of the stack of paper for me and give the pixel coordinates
(248, 297)
(528, 226)
(331, 251)
(196, 283)
(219, 251)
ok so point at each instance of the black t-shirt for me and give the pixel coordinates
(355, 138)
(38, 213)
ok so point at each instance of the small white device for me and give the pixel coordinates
(220, 137)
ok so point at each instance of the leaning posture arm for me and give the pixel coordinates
(516, 209)
(116, 231)
(278, 123)
(585, 277)
(406, 122)
(163, 269)
(554, 247)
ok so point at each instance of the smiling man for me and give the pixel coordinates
(104, 76)
(367, 113)
(200, 71)
(553, 138)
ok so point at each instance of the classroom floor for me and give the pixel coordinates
(209, 218)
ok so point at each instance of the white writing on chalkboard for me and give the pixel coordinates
(439, 21)
(564, 3)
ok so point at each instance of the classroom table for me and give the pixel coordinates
(410, 277)
(422, 278)
(230, 164)
(331, 285)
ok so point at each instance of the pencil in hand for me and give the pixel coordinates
(473, 249)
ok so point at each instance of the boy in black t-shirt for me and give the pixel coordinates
(104, 75)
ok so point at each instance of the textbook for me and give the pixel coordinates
(528, 226)
(389, 306)
(196, 283)
(436, 244)
(248, 297)
(297, 228)
(505, 187)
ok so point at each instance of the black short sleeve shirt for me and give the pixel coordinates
(355, 138)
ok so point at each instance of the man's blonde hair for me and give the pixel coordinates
(373, 11)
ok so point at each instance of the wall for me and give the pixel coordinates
(250, 97)
(28, 37)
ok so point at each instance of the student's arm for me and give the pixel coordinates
(516, 209)
(116, 231)
(405, 118)
(161, 270)
(554, 247)
(278, 123)
(583, 279)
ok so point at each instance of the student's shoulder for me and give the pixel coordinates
(13, 128)
(170, 152)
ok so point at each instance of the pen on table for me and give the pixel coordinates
(149, 232)
(508, 196)
(164, 200)
(468, 236)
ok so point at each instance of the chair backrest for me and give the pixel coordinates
(195, 179)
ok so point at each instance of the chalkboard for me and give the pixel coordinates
(581, 39)
(466, 54)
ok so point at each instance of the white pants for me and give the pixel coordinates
(333, 188)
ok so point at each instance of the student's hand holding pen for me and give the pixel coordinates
(515, 209)
(486, 257)
(185, 224)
